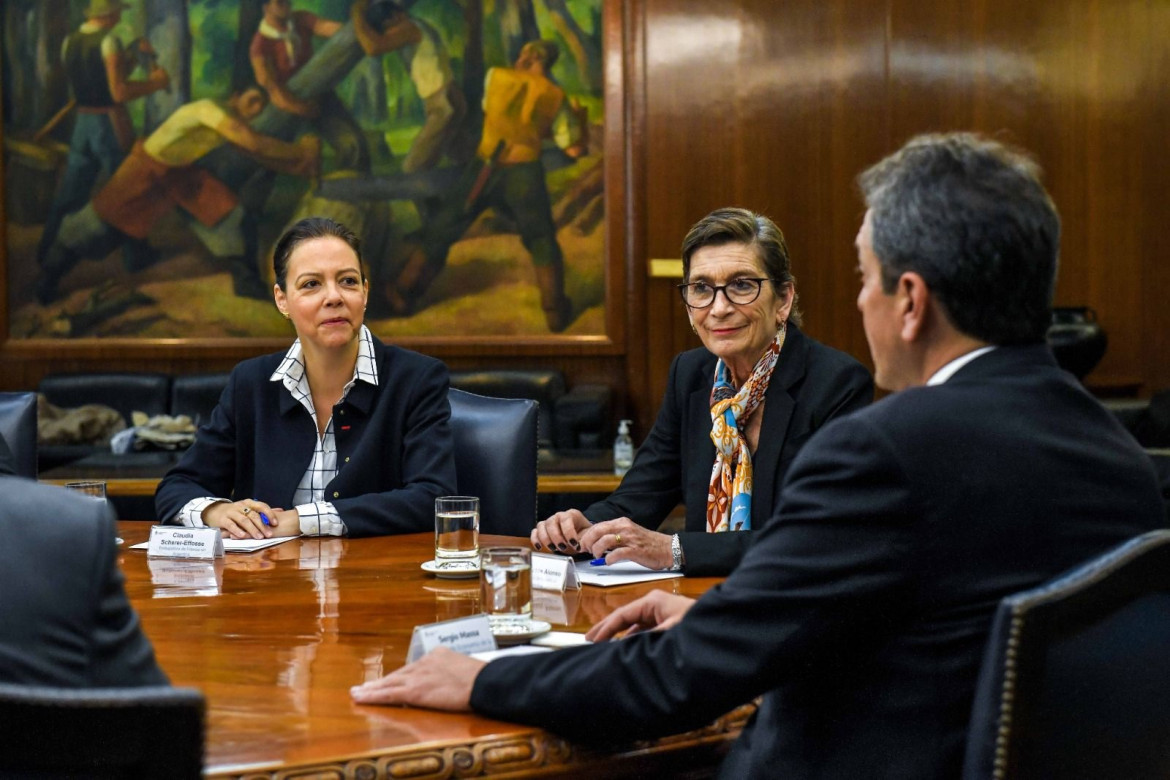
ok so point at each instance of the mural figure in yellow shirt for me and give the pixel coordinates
(160, 174)
(522, 107)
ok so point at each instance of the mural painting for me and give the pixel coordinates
(154, 149)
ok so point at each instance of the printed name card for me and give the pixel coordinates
(553, 572)
(180, 542)
(464, 635)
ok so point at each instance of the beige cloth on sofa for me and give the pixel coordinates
(89, 424)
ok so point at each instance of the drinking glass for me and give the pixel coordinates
(505, 576)
(95, 490)
(456, 528)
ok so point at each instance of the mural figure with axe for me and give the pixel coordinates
(522, 107)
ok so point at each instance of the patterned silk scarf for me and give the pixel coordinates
(729, 496)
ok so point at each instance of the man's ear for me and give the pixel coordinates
(915, 301)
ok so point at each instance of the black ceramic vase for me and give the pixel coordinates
(1077, 340)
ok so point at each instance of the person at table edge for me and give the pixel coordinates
(862, 610)
(65, 619)
(372, 465)
(746, 401)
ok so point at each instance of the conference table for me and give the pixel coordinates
(275, 638)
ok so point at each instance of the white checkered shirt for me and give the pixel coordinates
(318, 517)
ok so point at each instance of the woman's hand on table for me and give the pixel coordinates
(656, 611)
(251, 519)
(624, 540)
(560, 532)
(440, 680)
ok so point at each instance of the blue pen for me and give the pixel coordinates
(264, 519)
(597, 562)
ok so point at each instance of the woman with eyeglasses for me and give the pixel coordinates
(735, 413)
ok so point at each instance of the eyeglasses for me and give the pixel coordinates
(700, 295)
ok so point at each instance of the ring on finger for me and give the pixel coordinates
(247, 510)
(617, 538)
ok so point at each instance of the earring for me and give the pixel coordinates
(693, 328)
(285, 313)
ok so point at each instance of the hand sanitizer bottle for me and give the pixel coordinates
(623, 449)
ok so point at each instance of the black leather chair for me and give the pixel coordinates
(18, 426)
(495, 459)
(567, 419)
(125, 391)
(147, 732)
(1076, 679)
(195, 395)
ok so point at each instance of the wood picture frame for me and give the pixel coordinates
(103, 311)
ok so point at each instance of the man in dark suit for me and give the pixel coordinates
(862, 610)
(65, 620)
(7, 462)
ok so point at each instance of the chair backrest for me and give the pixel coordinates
(544, 386)
(195, 395)
(144, 732)
(125, 391)
(18, 426)
(1076, 679)
(495, 459)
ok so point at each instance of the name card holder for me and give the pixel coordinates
(464, 635)
(554, 572)
(181, 542)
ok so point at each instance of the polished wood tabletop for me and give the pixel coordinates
(276, 638)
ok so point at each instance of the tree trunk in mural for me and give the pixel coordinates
(34, 82)
(330, 64)
(519, 26)
(169, 37)
(584, 49)
(251, 12)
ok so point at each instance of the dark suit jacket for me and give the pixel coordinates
(7, 462)
(862, 610)
(810, 385)
(394, 447)
(64, 617)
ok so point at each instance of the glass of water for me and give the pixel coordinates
(456, 528)
(95, 490)
(505, 576)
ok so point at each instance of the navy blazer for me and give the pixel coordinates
(7, 461)
(394, 447)
(65, 620)
(862, 610)
(810, 385)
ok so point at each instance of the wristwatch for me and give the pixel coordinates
(676, 554)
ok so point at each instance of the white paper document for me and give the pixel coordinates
(621, 573)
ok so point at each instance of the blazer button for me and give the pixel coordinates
(336, 494)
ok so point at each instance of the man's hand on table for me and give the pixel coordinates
(656, 611)
(440, 680)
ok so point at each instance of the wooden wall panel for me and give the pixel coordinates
(777, 106)
(773, 107)
(1070, 81)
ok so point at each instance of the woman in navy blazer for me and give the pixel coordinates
(268, 464)
(741, 299)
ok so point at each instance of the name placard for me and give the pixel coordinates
(553, 572)
(168, 541)
(465, 635)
